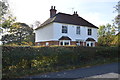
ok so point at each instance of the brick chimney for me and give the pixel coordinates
(75, 14)
(52, 11)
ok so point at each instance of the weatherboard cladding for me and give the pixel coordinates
(68, 19)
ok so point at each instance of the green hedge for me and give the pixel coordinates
(47, 59)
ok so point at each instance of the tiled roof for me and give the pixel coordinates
(64, 38)
(68, 19)
(90, 39)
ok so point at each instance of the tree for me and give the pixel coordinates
(3, 7)
(101, 30)
(6, 19)
(106, 30)
(106, 35)
(117, 18)
(19, 34)
(3, 11)
(35, 24)
(116, 41)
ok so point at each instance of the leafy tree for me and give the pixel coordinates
(117, 18)
(116, 41)
(101, 30)
(35, 24)
(3, 11)
(6, 19)
(3, 7)
(106, 30)
(19, 33)
(106, 35)
(105, 40)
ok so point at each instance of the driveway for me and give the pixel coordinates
(92, 72)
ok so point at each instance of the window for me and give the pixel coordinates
(61, 43)
(47, 44)
(78, 44)
(64, 29)
(38, 44)
(92, 44)
(87, 44)
(89, 31)
(78, 30)
(65, 42)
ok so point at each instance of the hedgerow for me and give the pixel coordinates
(21, 61)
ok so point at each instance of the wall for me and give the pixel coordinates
(72, 32)
(44, 34)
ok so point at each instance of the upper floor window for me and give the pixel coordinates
(89, 31)
(78, 30)
(64, 29)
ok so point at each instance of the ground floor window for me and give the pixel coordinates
(87, 44)
(64, 42)
(90, 44)
(38, 44)
(47, 43)
(79, 42)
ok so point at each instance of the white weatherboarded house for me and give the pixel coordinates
(65, 29)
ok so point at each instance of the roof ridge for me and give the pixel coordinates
(69, 19)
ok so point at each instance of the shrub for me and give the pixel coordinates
(42, 59)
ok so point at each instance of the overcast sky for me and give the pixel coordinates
(97, 12)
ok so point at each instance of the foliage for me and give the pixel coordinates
(106, 40)
(106, 35)
(117, 18)
(7, 22)
(48, 59)
(116, 41)
(20, 33)
(106, 30)
(3, 11)
(3, 7)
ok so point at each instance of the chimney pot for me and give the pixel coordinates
(52, 11)
(51, 7)
(75, 13)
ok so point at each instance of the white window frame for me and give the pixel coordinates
(89, 31)
(79, 42)
(89, 42)
(38, 44)
(64, 29)
(78, 30)
(47, 43)
(64, 41)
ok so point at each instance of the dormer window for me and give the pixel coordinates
(64, 29)
(78, 30)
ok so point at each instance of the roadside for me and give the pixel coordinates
(109, 69)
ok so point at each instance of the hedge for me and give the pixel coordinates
(48, 59)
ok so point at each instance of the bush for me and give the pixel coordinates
(45, 59)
